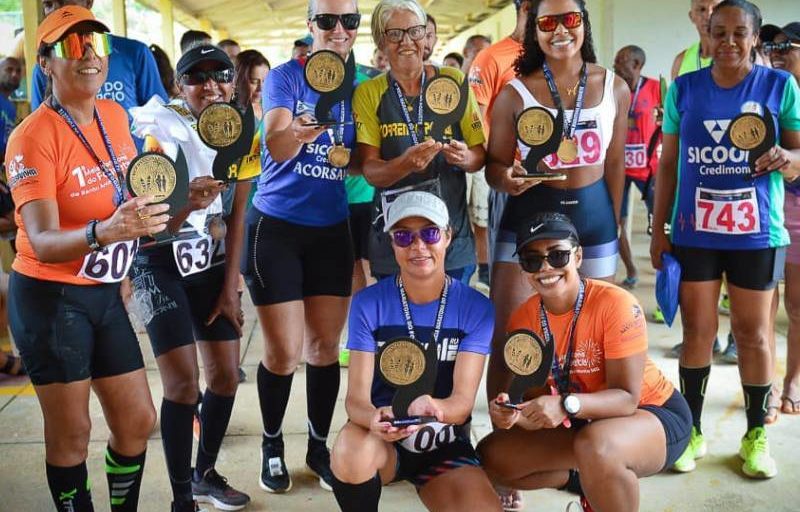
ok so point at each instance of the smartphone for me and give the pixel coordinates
(412, 420)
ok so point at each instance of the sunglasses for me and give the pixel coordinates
(404, 237)
(551, 22)
(221, 76)
(395, 35)
(349, 21)
(73, 46)
(557, 258)
(779, 48)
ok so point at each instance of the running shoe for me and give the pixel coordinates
(344, 357)
(675, 351)
(755, 453)
(274, 475)
(579, 506)
(724, 305)
(730, 355)
(657, 316)
(318, 460)
(696, 449)
(213, 488)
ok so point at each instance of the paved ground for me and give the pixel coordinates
(717, 485)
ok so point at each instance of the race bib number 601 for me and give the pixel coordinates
(111, 263)
(727, 212)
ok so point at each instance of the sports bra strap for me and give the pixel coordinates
(527, 98)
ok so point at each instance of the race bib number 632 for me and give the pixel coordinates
(727, 212)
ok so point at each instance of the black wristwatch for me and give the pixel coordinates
(91, 235)
(571, 404)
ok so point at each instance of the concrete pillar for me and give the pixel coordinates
(120, 22)
(167, 30)
(31, 14)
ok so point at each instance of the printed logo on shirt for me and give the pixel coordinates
(716, 128)
(474, 77)
(752, 107)
(447, 349)
(112, 91)
(588, 357)
(18, 173)
(302, 107)
(719, 160)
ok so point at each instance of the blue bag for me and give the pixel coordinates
(668, 282)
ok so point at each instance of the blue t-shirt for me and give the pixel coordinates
(306, 189)
(132, 77)
(8, 114)
(716, 205)
(376, 316)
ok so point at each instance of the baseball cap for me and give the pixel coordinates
(555, 228)
(791, 31)
(417, 204)
(304, 41)
(58, 23)
(202, 53)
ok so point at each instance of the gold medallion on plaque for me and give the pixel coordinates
(442, 95)
(152, 174)
(522, 354)
(338, 156)
(324, 71)
(219, 125)
(402, 362)
(567, 151)
(748, 131)
(535, 126)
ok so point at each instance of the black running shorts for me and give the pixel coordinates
(756, 269)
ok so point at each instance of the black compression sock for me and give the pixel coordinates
(273, 396)
(755, 404)
(215, 414)
(693, 388)
(124, 475)
(322, 388)
(363, 497)
(176, 436)
(70, 488)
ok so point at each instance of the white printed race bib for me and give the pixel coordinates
(429, 437)
(727, 212)
(635, 156)
(198, 254)
(111, 263)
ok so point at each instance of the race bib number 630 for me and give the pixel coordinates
(727, 212)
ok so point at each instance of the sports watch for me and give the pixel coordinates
(571, 404)
(91, 235)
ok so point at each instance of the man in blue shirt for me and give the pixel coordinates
(10, 76)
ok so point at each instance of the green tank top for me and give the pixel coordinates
(692, 60)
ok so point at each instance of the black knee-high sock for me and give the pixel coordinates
(322, 388)
(70, 488)
(124, 475)
(755, 404)
(215, 414)
(693, 388)
(273, 396)
(363, 497)
(176, 435)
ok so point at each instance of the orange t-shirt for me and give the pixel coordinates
(46, 160)
(612, 325)
(492, 69)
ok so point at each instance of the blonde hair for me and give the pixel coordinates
(384, 10)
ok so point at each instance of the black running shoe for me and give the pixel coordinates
(274, 475)
(213, 488)
(318, 460)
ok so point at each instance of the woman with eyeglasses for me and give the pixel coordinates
(557, 71)
(188, 288)
(393, 138)
(423, 303)
(727, 217)
(78, 231)
(609, 416)
(299, 259)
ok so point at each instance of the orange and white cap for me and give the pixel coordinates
(58, 22)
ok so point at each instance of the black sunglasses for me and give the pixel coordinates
(221, 76)
(349, 21)
(557, 258)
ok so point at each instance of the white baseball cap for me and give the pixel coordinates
(417, 204)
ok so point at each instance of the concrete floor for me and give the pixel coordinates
(717, 484)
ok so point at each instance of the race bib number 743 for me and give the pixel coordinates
(111, 263)
(727, 212)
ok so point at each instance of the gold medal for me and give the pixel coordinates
(338, 156)
(219, 125)
(535, 126)
(402, 362)
(324, 71)
(442, 95)
(748, 131)
(522, 354)
(152, 174)
(567, 151)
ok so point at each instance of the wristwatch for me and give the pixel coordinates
(571, 404)
(91, 236)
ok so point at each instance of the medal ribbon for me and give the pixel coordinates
(569, 126)
(337, 137)
(561, 374)
(439, 313)
(412, 128)
(117, 177)
(635, 97)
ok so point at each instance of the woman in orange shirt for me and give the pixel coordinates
(602, 384)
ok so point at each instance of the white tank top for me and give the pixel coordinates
(595, 126)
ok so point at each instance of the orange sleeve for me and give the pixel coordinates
(521, 318)
(624, 324)
(482, 77)
(30, 169)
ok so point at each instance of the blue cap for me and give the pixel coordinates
(304, 41)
